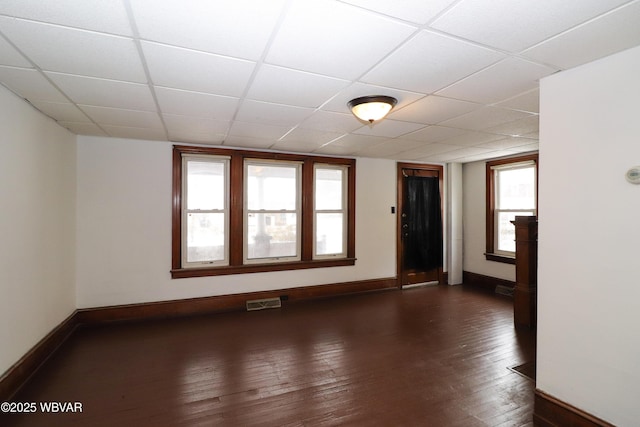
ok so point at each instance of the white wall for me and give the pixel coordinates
(37, 227)
(589, 273)
(474, 225)
(124, 229)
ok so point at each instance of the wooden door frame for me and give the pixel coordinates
(399, 202)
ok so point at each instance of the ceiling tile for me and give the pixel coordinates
(104, 93)
(271, 114)
(310, 137)
(389, 128)
(356, 142)
(291, 87)
(122, 117)
(507, 143)
(188, 103)
(471, 139)
(433, 134)
(108, 16)
(258, 131)
(459, 154)
(83, 128)
(335, 39)
(389, 148)
(417, 11)
(525, 148)
(197, 71)
(10, 56)
(485, 117)
(134, 132)
(247, 142)
(238, 28)
(331, 122)
(356, 90)
(62, 111)
(503, 80)
(604, 36)
(30, 84)
(195, 129)
(82, 52)
(436, 61)
(517, 127)
(433, 109)
(428, 150)
(514, 25)
(528, 101)
(176, 123)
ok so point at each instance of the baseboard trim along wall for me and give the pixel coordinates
(551, 412)
(22, 370)
(486, 282)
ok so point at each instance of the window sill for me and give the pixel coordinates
(182, 273)
(501, 258)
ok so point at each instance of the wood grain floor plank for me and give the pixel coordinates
(424, 357)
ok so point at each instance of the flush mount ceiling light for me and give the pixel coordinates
(372, 108)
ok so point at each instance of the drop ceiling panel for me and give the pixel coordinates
(436, 61)
(195, 129)
(121, 117)
(528, 101)
(428, 150)
(271, 114)
(516, 128)
(417, 11)
(433, 109)
(62, 111)
(604, 36)
(514, 25)
(30, 84)
(248, 142)
(469, 139)
(237, 28)
(334, 39)
(507, 143)
(389, 128)
(501, 81)
(197, 71)
(104, 93)
(291, 87)
(331, 122)
(198, 104)
(485, 117)
(312, 137)
(82, 52)
(433, 134)
(10, 56)
(134, 133)
(108, 16)
(258, 131)
(83, 128)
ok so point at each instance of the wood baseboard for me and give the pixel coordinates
(551, 412)
(485, 282)
(222, 303)
(23, 369)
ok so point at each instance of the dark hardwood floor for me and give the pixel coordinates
(437, 356)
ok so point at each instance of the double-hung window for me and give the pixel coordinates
(330, 211)
(272, 213)
(237, 211)
(511, 192)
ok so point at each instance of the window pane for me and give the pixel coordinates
(328, 189)
(329, 237)
(516, 189)
(205, 237)
(507, 231)
(272, 235)
(271, 187)
(205, 181)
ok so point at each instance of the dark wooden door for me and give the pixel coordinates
(419, 224)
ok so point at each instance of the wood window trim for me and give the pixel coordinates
(490, 254)
(236, 220)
